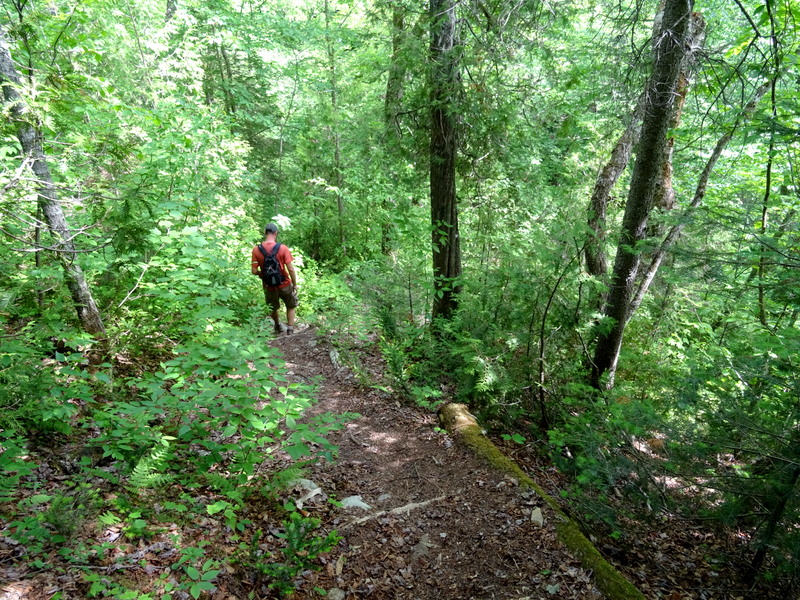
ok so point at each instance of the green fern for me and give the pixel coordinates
(220, 482)
(281, 480)
(109, 519)
(148, 471)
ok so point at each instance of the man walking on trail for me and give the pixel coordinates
(286, 290)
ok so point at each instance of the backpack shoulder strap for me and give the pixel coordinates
(262, 250)
(275, 249)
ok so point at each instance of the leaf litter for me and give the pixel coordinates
(418, 515)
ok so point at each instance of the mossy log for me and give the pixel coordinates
(459, 422)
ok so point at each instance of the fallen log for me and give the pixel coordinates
(457, 420)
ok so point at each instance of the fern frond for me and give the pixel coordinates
(219, 482)
(148, 471)
(282, 480)
(109, 519)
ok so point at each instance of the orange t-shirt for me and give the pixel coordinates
(284, 257)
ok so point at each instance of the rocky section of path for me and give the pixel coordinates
(423, 517)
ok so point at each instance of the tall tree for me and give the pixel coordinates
(338, 177)
(647, 173)
(444, 80)
(392, 106)
(31, 140)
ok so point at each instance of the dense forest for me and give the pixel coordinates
(578, 218)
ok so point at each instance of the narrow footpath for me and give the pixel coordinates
(424, 518)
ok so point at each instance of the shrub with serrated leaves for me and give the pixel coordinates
(225, 402)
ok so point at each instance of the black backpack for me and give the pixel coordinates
(271, 272)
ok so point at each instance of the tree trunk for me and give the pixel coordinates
(595, 254)
(30, 139)
(337, 159)
(665, 194)
(596, 260)
(765, 204)
(658, 107)
(700, 192)
(391, 107)
(172, 6)
(226, 78)
(444, 210)
(783, 490)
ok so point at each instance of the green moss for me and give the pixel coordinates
(607, 578)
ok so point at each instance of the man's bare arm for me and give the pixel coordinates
(292, 273)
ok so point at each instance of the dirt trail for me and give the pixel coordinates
(439, 523)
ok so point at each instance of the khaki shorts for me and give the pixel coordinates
(273, 296)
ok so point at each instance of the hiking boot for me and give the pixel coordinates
(289, 330)
(279, 328)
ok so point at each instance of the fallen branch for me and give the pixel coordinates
(400, 510)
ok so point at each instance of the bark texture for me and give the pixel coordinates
(595, 252)
(647, 173)
(596, 260)
(444, 209)
(30, 138)
(675, 231)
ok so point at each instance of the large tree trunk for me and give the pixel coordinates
(444, 210)
(665, 194)
(172, 6)
(595, 254)
(391, 108)
(658, 107)
(700, 193)
(30, 139)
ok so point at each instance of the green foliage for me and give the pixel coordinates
(300, 552)
(196, 574)
(146, 473)
(173, 140)
(14, 463)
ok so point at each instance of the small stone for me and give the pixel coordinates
(536, 517)
(336, 594)
(355, 502)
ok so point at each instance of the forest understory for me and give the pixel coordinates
(416, 516)
(579, 219)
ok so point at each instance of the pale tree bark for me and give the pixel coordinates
(444, 209)
(595, 254)
(395, 90)
(658, 109)
(337, 158)
(30, 138)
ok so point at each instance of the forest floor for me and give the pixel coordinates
(419, 516)
(442, 524)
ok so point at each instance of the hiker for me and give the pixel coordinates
(286, 288)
